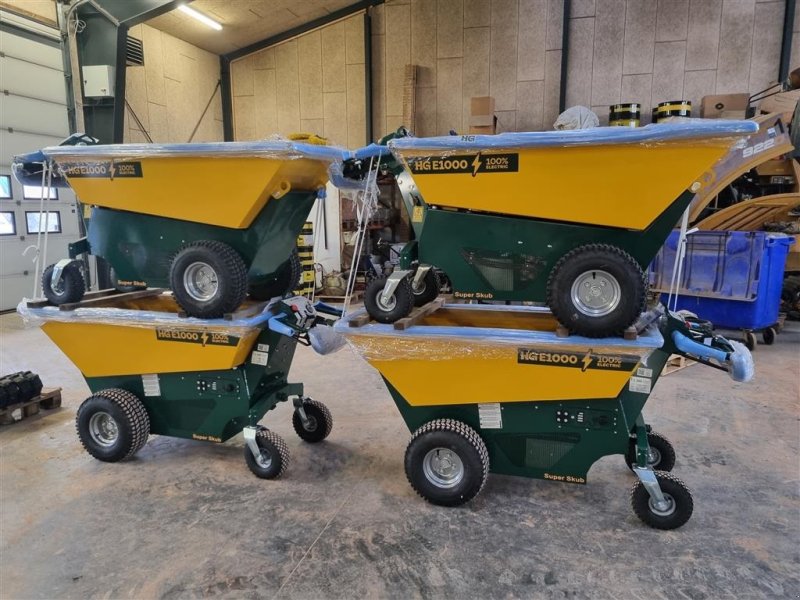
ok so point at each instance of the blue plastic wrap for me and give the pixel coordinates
(283, 149)
(650, 134)
(130, 317)
(27, 168)
(384, 342)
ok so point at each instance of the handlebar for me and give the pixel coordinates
(684, 344)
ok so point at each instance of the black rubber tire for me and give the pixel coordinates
(403, 301)
(321, 422)
(273, 447)
(130, 416)
(285, 282)
(428, 289)
(13, 395)
(768, 335)
(25, 386)
(750, 340)
(36, 382)
(72, 289)
(664, 452)
(619, 264)
(683, 504)
(4, 396)
(231, 275)
(122, 288)
(460, 439)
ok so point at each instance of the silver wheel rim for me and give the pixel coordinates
(387, 306)
(653, 457)
(103, 429)
(200, 281)
(596, 293)
(264, 459)
(420, 289)
(443, 468)
(310, 424)
(669, 508)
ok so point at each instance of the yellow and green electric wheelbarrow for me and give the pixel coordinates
(519, 400)
(210, 221)
(151, 371)
(570, 219)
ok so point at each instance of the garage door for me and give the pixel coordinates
(33, 114)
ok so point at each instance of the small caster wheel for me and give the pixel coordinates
(427, 290)
(447, 462)
(274, 456)
(318, 425)
(661, 456)
(112, 425)
(750, 340)
(768, 335)
(396, 307)
(70, 288)
(678, 505)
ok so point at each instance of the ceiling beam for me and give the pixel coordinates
(301, 29)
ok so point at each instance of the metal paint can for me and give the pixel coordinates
(625, 115)
(672, 108)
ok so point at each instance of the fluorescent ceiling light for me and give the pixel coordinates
(200, 17)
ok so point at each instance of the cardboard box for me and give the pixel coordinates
(713, 107)
(481, 120)
(482, 129)
(481, 105)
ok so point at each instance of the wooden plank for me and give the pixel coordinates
(99, 300)
(750, 215)
(42, 302)
(359, 321)
(355, 297)
(734, 164)
(418, 314)
(676, 362)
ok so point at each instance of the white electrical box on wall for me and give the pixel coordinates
(98, 81)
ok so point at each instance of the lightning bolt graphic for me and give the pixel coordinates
(112, 169)
(204, 337)
(587, 360)
(476, 164)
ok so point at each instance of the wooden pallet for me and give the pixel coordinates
(356, 296)
(676, 362)
(48, 399)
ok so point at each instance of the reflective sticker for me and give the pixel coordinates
(642, 372)
(490, 416)
(263, 348)
(259, 358)
(641, 385)
(417, 215)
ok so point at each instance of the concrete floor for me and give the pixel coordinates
(187, 519)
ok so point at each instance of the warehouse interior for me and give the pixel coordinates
(457, 346)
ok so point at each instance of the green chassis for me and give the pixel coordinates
(532, 443)
(215, 405)
(501, 257)
(140, 247)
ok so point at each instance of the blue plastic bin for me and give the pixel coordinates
(731, 278)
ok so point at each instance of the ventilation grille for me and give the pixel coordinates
(134, 52)
(545, 450)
